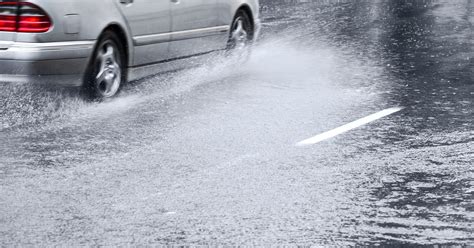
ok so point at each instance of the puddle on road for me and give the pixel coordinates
(157, 136)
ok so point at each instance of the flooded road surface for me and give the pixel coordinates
(208, 155)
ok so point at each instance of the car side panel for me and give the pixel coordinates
(193, 14)
(193, 25)
(149, 22)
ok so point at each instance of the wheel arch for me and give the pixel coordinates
(124, 38)
(248, 10)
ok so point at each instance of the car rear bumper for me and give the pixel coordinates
(62, 63)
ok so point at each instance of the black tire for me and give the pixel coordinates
(106, 72)
(238, 41)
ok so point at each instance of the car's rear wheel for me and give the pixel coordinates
(241, 33)
(106, 72)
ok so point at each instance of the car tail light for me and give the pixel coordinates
(23, 17)
(8, 16)
(32, 19)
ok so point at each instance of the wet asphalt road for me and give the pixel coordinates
(207, 155)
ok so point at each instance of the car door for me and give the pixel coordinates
(195, 27)
(149, 22)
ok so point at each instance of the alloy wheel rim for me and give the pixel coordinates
(239, 34)
(109, 75)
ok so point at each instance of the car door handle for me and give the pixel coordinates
(175, 1)
(126, 1)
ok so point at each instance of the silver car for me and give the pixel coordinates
(101, 44)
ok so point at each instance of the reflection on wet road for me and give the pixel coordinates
(207, 155)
